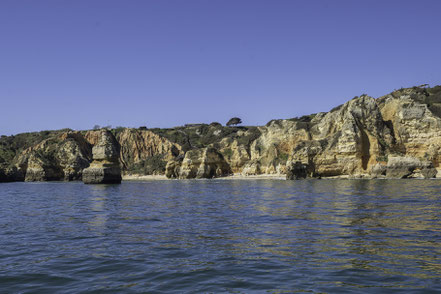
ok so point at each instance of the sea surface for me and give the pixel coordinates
(221, 236)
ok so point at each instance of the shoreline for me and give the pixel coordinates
(260, 177)
(277, 177)
(231, 177)
(144, 177)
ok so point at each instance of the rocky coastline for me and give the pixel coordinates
(394, 136)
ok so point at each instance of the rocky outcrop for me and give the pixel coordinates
(271, 150)
(62, 157)
(407, 167)
(345, 141)
(378, 170)
(93, 136)
(199, 163)
(73, 156)
(414, 116)
(104, 168)
(143, 151)
(173, 167)
(395, 136)
(236, 155)
(212, 165)
(41, 168)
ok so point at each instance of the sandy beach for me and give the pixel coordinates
(232, 177)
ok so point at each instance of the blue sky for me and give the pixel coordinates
(166, 63)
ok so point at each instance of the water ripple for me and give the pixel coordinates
(320, 236)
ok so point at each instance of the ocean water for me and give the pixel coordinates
(221, 236)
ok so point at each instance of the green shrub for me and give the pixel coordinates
(384, 158)
(117, 131)
(283, 157)
(227, 152)
(151, 165)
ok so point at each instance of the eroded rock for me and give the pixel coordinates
(105, 168)
(352, 140)
(173, 167)
(378, 170)
(405, 167)
(138, 147)
(62, 157)
(199, 163)
(296, 171)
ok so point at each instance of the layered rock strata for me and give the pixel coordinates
(105, 168)
(62, 157)
(199, 163)
(395, 136)
(407, 167)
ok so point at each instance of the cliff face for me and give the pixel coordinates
(145, 152)
(62, 157)
(414, 116)
(105, 168)
(346, 141)
(199, 163)
(397, 135)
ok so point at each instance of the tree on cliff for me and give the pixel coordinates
(234, 121)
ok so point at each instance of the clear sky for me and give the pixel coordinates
(165, 63)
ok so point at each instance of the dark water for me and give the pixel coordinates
(320, 236)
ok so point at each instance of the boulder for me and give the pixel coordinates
(405, 167)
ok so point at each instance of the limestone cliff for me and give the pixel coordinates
(346, 141)
(397, 135)
(145, 152)
(414, 117)
(199, 163)
(62, 157)
(105, 167)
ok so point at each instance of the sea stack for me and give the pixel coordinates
(104, 168)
